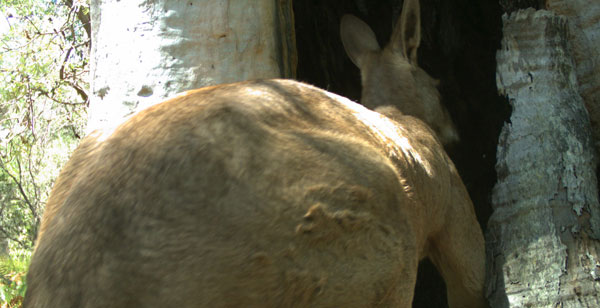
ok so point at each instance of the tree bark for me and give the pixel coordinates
(542, 239)
(583, 17)
(146, 50)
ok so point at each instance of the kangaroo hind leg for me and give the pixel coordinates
(458, 252)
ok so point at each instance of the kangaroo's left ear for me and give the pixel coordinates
(406, 35)
(358, 39)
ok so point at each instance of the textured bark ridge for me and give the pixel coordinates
(146, 51)
(584, 23)
(542, 237)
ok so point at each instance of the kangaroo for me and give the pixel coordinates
(266, 193)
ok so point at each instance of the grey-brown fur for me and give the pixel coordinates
(391, 76)
(266, 193)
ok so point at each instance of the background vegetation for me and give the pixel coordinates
(44, 52)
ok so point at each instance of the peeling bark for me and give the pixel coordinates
(543, 235)
(583, 17)
(146, 50)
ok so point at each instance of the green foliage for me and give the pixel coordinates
(43, 103)
(12, 278)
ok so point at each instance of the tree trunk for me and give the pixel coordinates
(3, 246)
(146, 50)
(543, 248)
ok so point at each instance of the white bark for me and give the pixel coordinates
(147, 50)
(584, 23)
(542, 247)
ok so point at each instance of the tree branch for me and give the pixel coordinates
(84, 18)
(7, 235)
(20, 186)
(61, 72)
(77, 88)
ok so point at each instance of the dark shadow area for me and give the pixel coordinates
(459, 43)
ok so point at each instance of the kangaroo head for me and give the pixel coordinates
(391, 76)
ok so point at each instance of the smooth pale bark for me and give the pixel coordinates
(583, 17)
(542, 237)
(147, 50)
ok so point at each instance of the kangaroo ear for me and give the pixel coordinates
(406, 35)
(358, 39)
